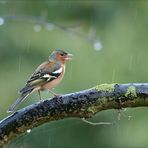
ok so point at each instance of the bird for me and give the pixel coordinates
(47, 75)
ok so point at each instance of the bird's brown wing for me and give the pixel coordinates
(42, 75)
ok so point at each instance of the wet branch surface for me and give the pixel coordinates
(83, 104)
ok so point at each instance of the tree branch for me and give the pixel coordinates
(83, 104)
(50, 25)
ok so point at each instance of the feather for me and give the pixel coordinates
(20, 99)
(58, 71)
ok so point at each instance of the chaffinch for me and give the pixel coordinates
(46, 76)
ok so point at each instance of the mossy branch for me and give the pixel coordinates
(83, 104)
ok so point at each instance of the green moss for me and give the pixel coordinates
(102, 100)
(106, 87)
(92, 109)
(131, 91)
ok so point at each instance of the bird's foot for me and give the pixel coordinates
(55, 94)
(41, 99)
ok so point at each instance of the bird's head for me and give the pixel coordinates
(60, 56)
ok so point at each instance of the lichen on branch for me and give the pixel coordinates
(83, 104)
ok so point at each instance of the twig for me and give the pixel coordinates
(45, 23)
(96, 123)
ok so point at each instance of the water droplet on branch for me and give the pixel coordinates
(29, 130)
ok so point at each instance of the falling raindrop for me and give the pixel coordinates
(28, 45)
(19, 62)
(113, 75)
(97, 46)
(29, 130)
(130, 63)
(70, 72)
(92, 33)
(37, 28)
(1, 21)
(136, 14)
(49, 142)
(50, 26)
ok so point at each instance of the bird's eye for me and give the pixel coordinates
(62, 54)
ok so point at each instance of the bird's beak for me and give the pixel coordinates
(69, 56)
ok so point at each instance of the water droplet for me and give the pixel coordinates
(129, 117)
(97, 46)
(1, 21)
(37, 28)
(29, 130)
(50, 26)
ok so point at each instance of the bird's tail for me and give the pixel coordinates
(23, 96)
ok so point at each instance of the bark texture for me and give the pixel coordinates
(83, 104)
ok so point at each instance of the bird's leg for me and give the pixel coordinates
(39, 95)
(95, 123)
(53, 93)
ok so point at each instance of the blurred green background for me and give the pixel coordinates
(109, 40)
